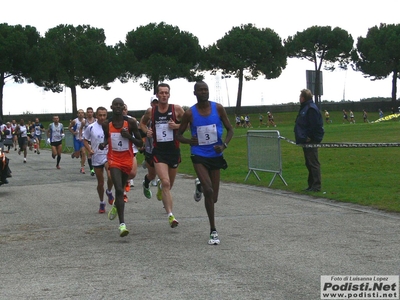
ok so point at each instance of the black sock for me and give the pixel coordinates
(58, 159)
(146, 182)
(89, 160)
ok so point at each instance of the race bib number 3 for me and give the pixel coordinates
(207, 134)
(164, 133)
(118, 142)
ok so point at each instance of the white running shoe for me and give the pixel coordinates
(214, 239)
(198, 191)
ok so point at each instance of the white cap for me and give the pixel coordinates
(154, 97)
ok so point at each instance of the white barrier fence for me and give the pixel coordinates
(264, 153)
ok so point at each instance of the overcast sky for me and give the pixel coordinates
(208, 21)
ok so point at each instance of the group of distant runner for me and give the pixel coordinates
(348, 117)
(244, 121)
(21, 136)
(110, 146)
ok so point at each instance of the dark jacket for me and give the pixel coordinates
(309, 124)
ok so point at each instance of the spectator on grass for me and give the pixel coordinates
(260, 119)
(380, 113)
(247, 120)
(271, 119)
(345, 116)
(352, 117)
(327, 117)
(242, 121)
(237, 121)
(365, 116)
(309, 130)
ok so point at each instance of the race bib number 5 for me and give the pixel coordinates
(164, 133)
(207, 134)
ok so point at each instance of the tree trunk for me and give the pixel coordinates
(394, 86)
(239, 94)
(155, 83)
(1, 94)
(74, 106)
(317, 91)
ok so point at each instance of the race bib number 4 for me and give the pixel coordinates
(207, 134)
(118, 142)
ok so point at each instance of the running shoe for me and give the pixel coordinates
(102, 208)
(112, 213)
(131, 183)
(214, 239)
(110, 197)
(122, 230)
(159, 190)
(19, 152)
(82, 170)
(172, 221)
(154, 182)
(197, 192)
(92, 172)
(72, 155)
(125, 197)
(127, 187)
(38, 152)
(58, 167)
(24, 161)
(146, 191)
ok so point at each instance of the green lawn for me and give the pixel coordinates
(366, 176)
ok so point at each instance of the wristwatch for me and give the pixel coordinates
(226, 145)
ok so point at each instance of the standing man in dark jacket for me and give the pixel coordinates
(309, 130)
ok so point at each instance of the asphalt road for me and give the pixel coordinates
(274, 245)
